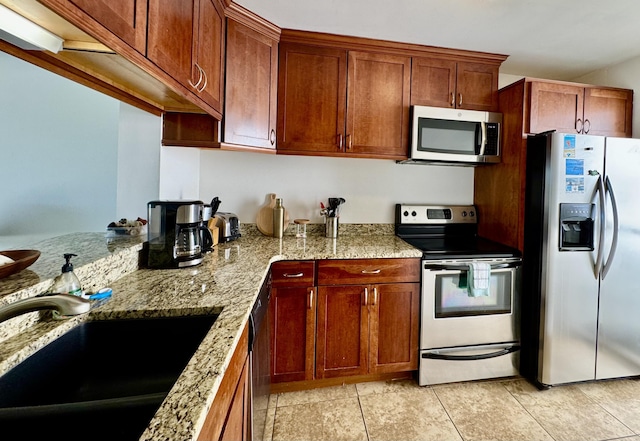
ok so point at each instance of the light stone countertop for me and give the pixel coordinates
(227, 283)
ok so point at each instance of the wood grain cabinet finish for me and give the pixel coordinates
(576, 108)
(186, 40)
(455, 84)
(126, 19)
(335, 102)
(367, 321)
(237, 427)
(250, 113)
(293, 311)
(530, 106)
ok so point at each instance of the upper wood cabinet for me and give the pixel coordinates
(186, 40)
(533, 106)
(125, 19)
(577, 108)
(337, 102)
(250, 112)
(455, 84)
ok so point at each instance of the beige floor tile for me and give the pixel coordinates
(268, 428)
(323, 421)
(487, 411)
(411, 414)
(566, 413)
(317, 395)
(382, 387)
(621, 398)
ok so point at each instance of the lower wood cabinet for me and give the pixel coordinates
(367, 329)
(338, 318)
(230, 415)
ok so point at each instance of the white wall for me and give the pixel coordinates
(371, 187)
(60, 167)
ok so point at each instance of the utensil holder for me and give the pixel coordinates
(331, 227)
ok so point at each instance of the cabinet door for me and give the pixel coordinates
(433, 82)
(311, 99)
(378, 104)
(252, 81)
(477, 86)
(237, 425)
(208, 48)
(126, 19)
(555, 107)
(343, 331)
(608, 112)
(294, 329)
(170, 37)
(394, 311)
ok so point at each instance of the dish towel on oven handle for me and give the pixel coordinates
(479, 277)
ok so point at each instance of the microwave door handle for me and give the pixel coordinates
(483, 141)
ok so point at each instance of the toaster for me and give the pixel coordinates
(228, 226)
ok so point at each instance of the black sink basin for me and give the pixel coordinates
(101, 380)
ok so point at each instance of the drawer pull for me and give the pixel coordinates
(293, 275)
(377, 271)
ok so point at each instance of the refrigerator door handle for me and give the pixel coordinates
(600, 190)
(614, 242)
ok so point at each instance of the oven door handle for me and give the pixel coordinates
(501, 352)
(439, 267)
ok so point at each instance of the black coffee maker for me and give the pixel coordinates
(175, 234)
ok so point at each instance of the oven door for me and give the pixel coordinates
(451, 317)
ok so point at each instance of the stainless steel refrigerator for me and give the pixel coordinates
(581, 264)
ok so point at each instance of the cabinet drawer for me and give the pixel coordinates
(364, 271)
(292, 273)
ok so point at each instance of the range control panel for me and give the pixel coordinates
(436, 214)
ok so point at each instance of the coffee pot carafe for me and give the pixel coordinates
(175, 234)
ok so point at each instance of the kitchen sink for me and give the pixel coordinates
(101, 380)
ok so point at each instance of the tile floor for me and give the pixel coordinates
(509, 409)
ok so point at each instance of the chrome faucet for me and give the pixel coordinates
(64, 304)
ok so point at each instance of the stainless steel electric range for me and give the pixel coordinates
(465, 334)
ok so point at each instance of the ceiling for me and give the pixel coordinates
(552, 39)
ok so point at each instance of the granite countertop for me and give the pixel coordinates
(227, 283)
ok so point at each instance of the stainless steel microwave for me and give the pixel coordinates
(453, 136)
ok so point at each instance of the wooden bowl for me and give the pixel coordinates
(22, 259)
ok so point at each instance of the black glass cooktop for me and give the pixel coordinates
(460, 247)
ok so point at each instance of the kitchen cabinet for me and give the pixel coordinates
(293, 311)
(250, 113)
(337, 102)
(532, 105)
(125, 19)
(367, 316)
(577, 108)
(186, 40)
(249, 120)
(229, 417)
(443, 82)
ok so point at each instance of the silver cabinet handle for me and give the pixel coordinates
(579, 130)
(340, 140)
(272, 137)
(375, 295)
(206, 79)
(195, 86)
(376, 271)
(587, 127)
(311, 299)
(293, 275)
(460, 102)
(349, 142)
(366, 296)
(453, 99)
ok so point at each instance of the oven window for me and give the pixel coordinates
(452, 297)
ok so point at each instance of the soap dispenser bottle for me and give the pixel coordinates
(67, 282)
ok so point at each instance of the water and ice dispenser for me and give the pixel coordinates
(576, 227)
